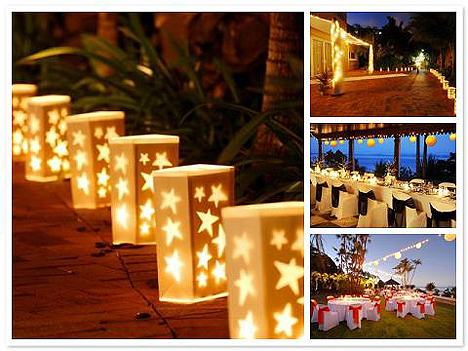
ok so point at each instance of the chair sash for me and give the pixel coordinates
(400, 306)
(377, 306)
(377, 298)
(365, 296)
(318, 192)
(433, 305)
(355, 310)
(336, 194)
(362, 201)
(441, 219)
(313, 304)
(422, 306)
(329, 298)
(399, 210)
(322, 310)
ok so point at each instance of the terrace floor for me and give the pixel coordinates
(69, 282)
(410, 94)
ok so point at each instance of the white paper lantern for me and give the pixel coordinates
(132, 160)
(20, 96)
(265, 269)
(88, 143)
(48, 150)
(190, 239)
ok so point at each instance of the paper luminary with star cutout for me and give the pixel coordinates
(132, 160)
(20, 96)
(47, 158)
(190, 239)
(88, 143)
(265, 269)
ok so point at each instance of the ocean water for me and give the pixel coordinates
(369, 161)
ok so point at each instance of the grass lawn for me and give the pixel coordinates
(440, 326)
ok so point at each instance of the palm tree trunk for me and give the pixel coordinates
(284, 42)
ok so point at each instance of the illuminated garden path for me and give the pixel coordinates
(415, 95)
(65, 287)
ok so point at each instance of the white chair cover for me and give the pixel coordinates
(347, 207)
(372, 313)
(404, 309)
(416, 310)
(350, 322)
(324, 205)
(430, 310)
(330, 320)
(390, 306)
(376, 216)
(415, 219)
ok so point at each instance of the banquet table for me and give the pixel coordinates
(411, 301)
(341, 305)
(384, 194)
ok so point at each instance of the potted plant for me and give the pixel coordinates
(324, 82)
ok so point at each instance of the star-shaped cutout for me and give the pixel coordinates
(148, 181)
(16, 149)
(103, 152)
(18, 137)
(173, 265)
(147, 210)
(24, 104)
(122, 188)
(65, 165)
(83, 183)
(199, 193)
(62, 126)
(103, 177)
(290, 275)
(242, 247)
(220, 240)
(54, 164)
(285, 320)
(202, 279)
(144, 229)
(172, 231)
(52, 136)
(170, 199)
(278, 239)
(79, 138)
(207, 221)
(121, 163)
(19, 117)
(203, 257)
(244, 283)
(121, 214)
(161, 160)
(298, 245)
(102, 192)
(144, 159)
(53, 116)
(64, 112)
(15, 101)
(110, 133)
(98, 133)
(247, 328)
(217, 195)
(219, 272)
(34, 124)
(61, 148)
(81, 159)
(34, 145)
(35, 163)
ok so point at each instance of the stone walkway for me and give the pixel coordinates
(66, 286)
(416, 95)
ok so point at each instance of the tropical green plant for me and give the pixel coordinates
(403, 268)
(169, 98)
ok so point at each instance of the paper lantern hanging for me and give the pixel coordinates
(333, 143)
(48, 150)
(190, 240)
(445, 84)
(413, 139)
(381, 140)
(398, 255)
(265, 269)
(370, 142)
(88, 143)
(360, 141)
(451, 93)
(453, 137)
(20, 96)
(418, 246)
(132, 160)
(450, 237)
(431, 140)
(341, 142)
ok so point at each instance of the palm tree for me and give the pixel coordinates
(402, 269)
(430, 286)
(417, 262)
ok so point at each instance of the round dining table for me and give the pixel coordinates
(341, 305)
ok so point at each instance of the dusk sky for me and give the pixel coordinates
(443, 147)
(377, 19)
(437, 256)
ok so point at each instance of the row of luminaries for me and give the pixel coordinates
(206, 247)
(353, 309)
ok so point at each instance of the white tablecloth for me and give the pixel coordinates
(341, 306)
(410, 301)
(384, 194)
